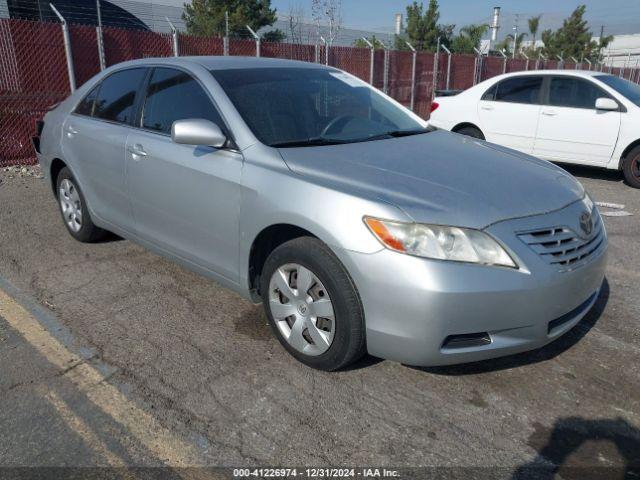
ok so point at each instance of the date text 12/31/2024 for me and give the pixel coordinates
(315, 473)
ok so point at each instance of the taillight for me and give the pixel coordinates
(434, 106)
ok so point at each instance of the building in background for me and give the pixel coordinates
(115, 13)
(152, 15)
(624, 51)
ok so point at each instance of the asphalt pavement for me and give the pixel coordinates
(113, 356)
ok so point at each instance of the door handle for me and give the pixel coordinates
(486, 107)
(71, 131)
(137, 150)
(549, 113)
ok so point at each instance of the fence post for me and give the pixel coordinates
(561, 64)
(385, 82)
(326, 50)
(477, 75)
(316, 53)
(174, 37)
(448, 65)
(544, 59)
(504, 61)
(257, 38)
(575, 60)
(225, 39)
(373, 58)
(526, 67)
(67, 49)
(436, 66)
(588, 62)
(100, 38)
(414, 55)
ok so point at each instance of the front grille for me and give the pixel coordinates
(561, 246)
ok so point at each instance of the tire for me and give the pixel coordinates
(631, 168)
(326, 343)
(471, 132)
(73, 208)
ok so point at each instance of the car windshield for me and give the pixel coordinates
(290, 107)
(624, 87)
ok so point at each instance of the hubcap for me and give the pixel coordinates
(301, 307)
(70, 205)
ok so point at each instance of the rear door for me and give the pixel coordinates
(94, 144)
(570, 128)
(185, 198)
(509, 112)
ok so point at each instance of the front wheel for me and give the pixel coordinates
(312, 304)
(631, 168)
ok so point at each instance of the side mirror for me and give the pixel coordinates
(197, 131)
(607, 104)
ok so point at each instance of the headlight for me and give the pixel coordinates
(439, 242)
(588, 202)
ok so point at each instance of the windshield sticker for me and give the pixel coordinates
(348, 79)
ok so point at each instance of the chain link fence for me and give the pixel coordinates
(34, 74)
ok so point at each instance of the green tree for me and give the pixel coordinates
(469, 38)
(534, 25)
(574, 39)
(360, 43)
(423, 29)
(207, 17)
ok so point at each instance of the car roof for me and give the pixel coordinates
(224, 63)
(575, 73)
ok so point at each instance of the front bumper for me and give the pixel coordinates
(414, 307)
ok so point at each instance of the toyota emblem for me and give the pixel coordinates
(586, 224)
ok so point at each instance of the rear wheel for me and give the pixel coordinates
(73, 208)
(631, 168)
(470, 131)
(312, 304)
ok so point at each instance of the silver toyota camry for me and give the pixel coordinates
(302, 187)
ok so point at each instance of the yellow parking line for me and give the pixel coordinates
(164, 445)
(79, 426)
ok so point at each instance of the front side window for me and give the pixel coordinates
(627, 89)
(311, 106)
(574, 93)
(117, 94)
(85, 107)
(519, 89)
(175, 95)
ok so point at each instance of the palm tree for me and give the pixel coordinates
(534, 24)
(508, 42)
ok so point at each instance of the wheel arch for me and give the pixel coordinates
(265, 242)
(56, 167)
(626, 152)
(462, 125)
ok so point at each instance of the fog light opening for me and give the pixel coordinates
(466, 340)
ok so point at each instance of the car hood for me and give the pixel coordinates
(441, 178)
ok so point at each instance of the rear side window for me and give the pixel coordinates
(175, 95)
(574, 93)
(117, 94)
(519, 90)
(85, 107)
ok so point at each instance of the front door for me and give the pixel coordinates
(571, 129)
(185, 198)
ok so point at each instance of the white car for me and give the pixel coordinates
(582, 117)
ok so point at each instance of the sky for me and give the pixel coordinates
(618, 16)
